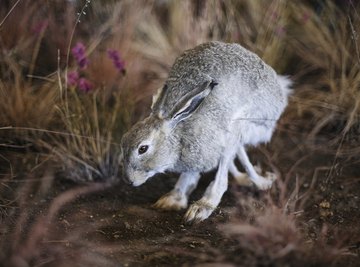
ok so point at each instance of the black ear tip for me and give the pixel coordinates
(213, 83)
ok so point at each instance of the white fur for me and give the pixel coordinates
(156, 97)
(285, 84)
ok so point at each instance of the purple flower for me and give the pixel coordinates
(72, 78)
(85, 85)
(83, 62)
(116, 59)
(78, 52)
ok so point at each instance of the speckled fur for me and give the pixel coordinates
(246, 99)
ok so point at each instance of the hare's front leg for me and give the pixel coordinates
(177, 198)
(261, 182)
(203, 208)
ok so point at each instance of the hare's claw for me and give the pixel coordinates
(198, 212)
(172, 201)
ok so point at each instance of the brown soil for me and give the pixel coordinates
(118, 226)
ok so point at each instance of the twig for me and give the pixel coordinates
(59, 75)
(40, 78)
(355, 37)
(69, 48)
(10, 11)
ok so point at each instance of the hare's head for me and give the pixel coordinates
(151, 146)
(146, 150)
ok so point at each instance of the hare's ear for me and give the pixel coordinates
(158, 98)
(190, 102)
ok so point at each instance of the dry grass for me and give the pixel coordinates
(271, 229)
(30, 236)
(21, 106)
(316, 44)
(161, 38)
(87, 150)
(328, 45)
(86, 147)
(25, 107)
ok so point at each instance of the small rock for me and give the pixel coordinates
(326, 213)
(127, 225)
(325, 204)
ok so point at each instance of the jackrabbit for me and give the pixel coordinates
(217, 99)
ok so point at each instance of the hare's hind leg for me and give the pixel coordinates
(177, 198)
(261, 182)
(241, 178)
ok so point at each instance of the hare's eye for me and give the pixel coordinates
(142, 149)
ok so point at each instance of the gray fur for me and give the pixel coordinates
(235, 100)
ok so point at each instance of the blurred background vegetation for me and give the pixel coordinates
(75, 75)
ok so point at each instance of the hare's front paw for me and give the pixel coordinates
(266, 182)
(172, 201)
(198, 212)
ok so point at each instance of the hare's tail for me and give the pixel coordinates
(285, 84)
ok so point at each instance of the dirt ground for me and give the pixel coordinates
(118, 226)
(311, 215)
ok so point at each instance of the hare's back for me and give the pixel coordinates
(214, 59)
(209, 61)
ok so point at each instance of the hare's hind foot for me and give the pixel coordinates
(173, 200)
(265, 182)
(262, 183)
(241, 178)
(198, 212)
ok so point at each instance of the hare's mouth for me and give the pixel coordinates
(138, 183)
(140, 177)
